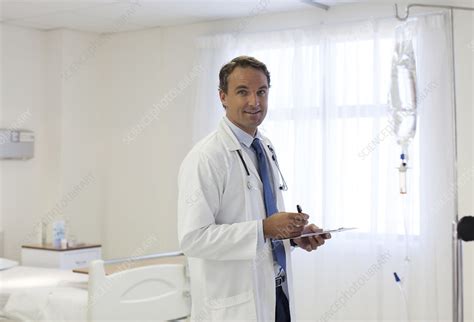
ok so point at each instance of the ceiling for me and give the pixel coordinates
(129, 15)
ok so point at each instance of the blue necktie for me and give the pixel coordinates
(270, 203)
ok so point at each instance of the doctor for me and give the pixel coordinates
(231, 211)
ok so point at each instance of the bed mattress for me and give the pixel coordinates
(23, 287)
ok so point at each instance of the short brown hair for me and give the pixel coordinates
(241, 61)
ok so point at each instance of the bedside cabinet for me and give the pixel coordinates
(64, 258)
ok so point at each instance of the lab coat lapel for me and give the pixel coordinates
(275, 173)
(251, 166)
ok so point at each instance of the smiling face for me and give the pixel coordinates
(246, 98)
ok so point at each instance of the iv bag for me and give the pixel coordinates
(402, 98)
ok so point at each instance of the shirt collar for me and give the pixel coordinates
(242, 136)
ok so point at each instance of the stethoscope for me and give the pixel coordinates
(283, 186)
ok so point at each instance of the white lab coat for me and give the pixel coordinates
(219, 207)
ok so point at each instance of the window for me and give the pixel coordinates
(328, 119)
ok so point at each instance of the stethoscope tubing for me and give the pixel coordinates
(283, 185)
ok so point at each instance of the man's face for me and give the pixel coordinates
(246, 98)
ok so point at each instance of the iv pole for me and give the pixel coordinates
(458, 292)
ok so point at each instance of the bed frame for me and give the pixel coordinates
(156, 292)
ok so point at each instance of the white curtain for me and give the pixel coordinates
(328, 119)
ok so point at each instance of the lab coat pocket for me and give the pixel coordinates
(238, 307)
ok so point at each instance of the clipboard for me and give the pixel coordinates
(324, 231)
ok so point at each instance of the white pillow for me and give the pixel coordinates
(7, 263)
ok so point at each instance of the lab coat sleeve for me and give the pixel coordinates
(261, 236)
(201, 184)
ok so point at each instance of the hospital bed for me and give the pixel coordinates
(133, 289)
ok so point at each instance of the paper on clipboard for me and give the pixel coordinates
(324, 231)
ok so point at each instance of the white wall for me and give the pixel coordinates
(464, 38)
(83, 148)
(139, 193)
(23, 184)
(65, 116)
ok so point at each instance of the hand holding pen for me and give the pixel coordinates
(284, 225)
(313, 242)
